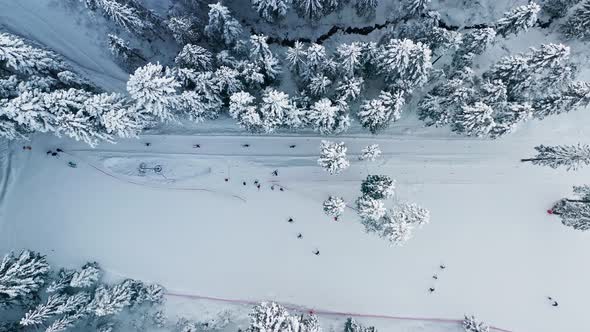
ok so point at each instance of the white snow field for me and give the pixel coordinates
(197, 234)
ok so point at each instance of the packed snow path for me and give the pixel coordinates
(503, 253)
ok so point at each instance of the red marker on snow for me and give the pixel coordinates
(335, 218)
(549, 211)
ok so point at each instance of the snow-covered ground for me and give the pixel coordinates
(195, 233)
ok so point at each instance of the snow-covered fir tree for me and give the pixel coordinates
(42, 312)
(21, 277)
(473, 43)
(116, 115)
(476, 120)
(378, 186)
(328, 118)
(416, 7)
(123, 15)
(349, 57)
(296, 57)
(111, 300)
(396, 231)
(411, 213)
(194, 56)
(311, 9)
(154, 90)
(333, 157)
(227, 80)
(262, 56)
(277, 109)
(319, 85)
(510, 117)
(334, 206)
(87, 276)
(571, 157)
(558, 8)
(269, 316)
(242, 108)
(185, 29)
(305, 323)
(518, 19)
(271, 10)
(405, 64)
(222, 26)
(471, 324)
(353, 326)
(19, 57)
(370, 152)
(370, 210)
(365, 7)
(578, 23)
(349, 89)
(575, 212)
(575, 95)
(121, 49)
(376, 114)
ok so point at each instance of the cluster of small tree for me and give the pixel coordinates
(471, 324)
(575, 212)
(39, 94)
(395, 225)
(536, 83)
(71, 298)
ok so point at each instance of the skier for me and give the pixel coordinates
(299, 236)
(54, 154)
(49, 152)
(272, 187)
(431, 289)
(245, 145)
(442, 267)
(275, 172)
(72, 164)
(258, 186)
(244, 183)
(255, 181)
(290, 220)
(281, 189)
(316, 252)
(292, 146)
(553, 303)
(196, 146)
(335, 218)
(27, 147)
(226, 179)
(148, 144)
(435, 277)
(59, 150)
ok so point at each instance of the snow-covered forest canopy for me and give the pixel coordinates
(256, 158)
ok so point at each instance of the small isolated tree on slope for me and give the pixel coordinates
(571, 157)
(333, 157)
(334, 206)
(370, 152)
(470, 324)
(519, 19)
(378, 186)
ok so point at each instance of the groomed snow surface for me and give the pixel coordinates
(195, 233)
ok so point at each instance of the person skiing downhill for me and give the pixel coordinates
(275, 172)
(292, 146)
(49, 152)
(290, 220)
(431, 289)
(316, 252)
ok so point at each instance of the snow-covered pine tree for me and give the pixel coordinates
(304, 323)
(573, 213)
(377, 114)
(123, 15)
(370, 152)
(296, 57)
(396, 231)
(365, 7)
(473, 43)
(333, 157)
(410, 213)
(353, 326)
(242, 108)
(578, 24)
(575, 95)
(184, 29)
(18, 57)
(87, 276)
(558, 8)
(115, 115)
(42, 312)
(311, 9)
(222, 26)
(65, 322)
(195, 57)
(476, 120)
(21, 277)
(271, 10)
(518, 19)
(121, 49)
(510, 117)
(571, 157)
(154, 90)
(267, 317)
(227, 80)
(370, 210)
(262, 56)
(318, 62)
(378, 186)
(404, 64)
(416, 7)
(334, 206)
(328, 118)
(111, 300)
(319, 85)
(349, 89)
(439, 106)
(277, 109)
(470, 324)
(8, 87)
(349, 58)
